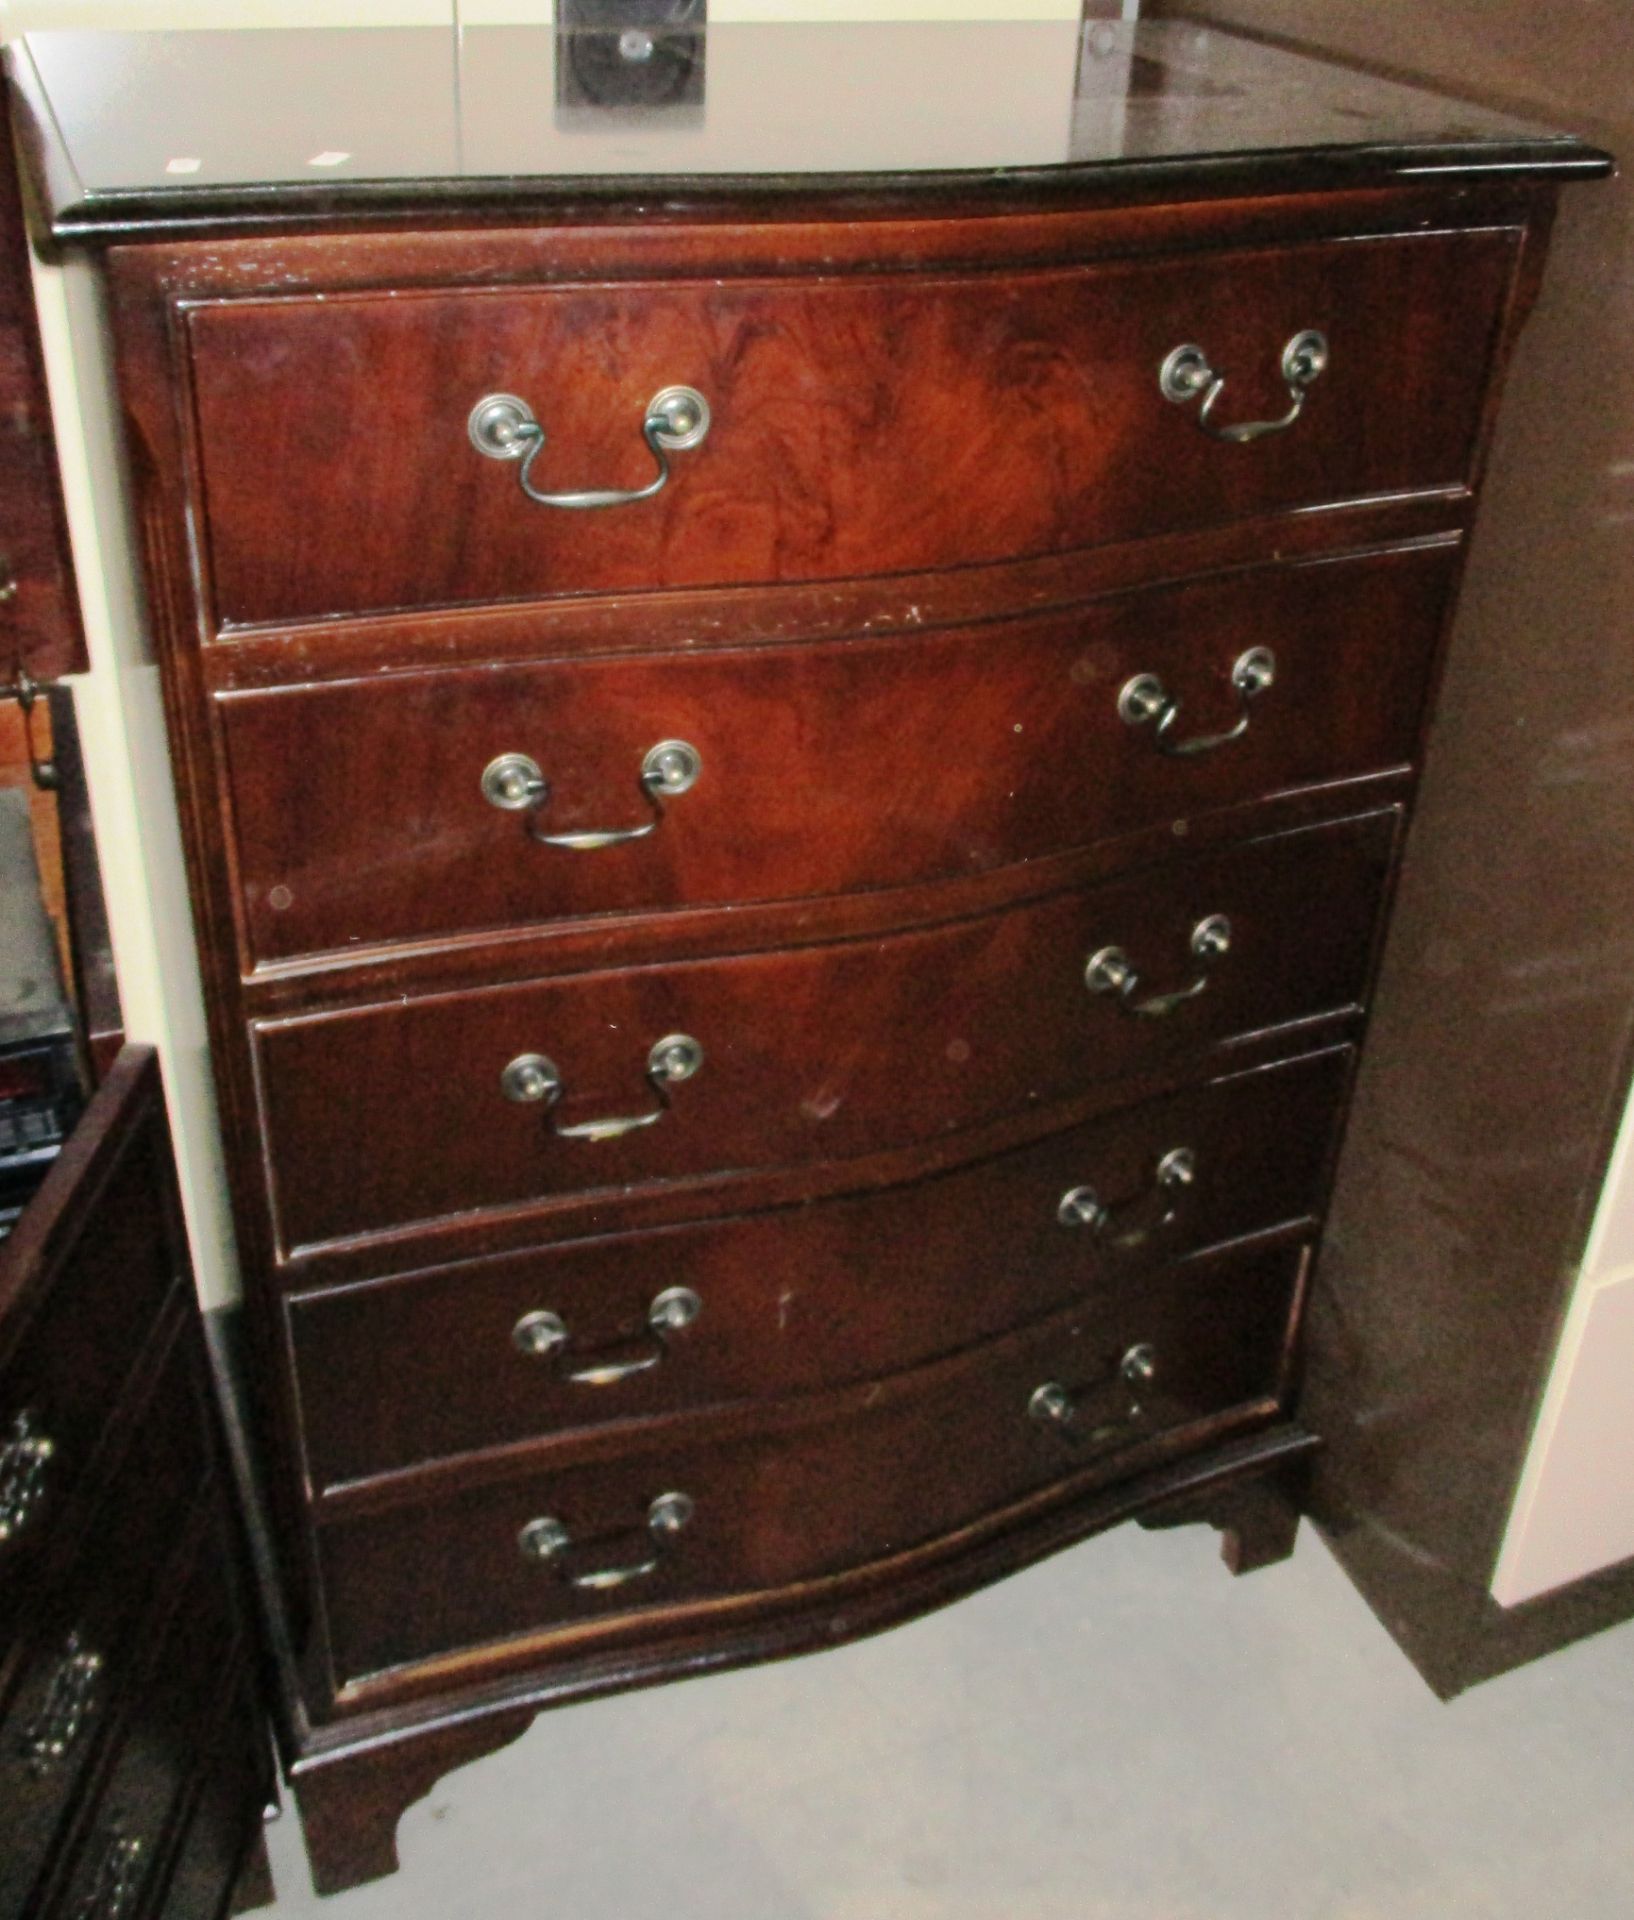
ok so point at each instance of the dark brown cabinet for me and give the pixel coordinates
(134, 1758)
(792, 787)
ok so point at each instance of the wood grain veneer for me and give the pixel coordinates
(864, 426)
(396, 1371)
(916, 1036)
(1003, 744)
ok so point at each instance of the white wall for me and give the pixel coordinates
(1574, 1509)
(121, 717)
(25, 16)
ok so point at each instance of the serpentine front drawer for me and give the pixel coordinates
(678, 1513)
(800, 1299)
(837, 427)
(488, 796)
(440, 1104)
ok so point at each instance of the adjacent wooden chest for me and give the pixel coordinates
(134, 1761)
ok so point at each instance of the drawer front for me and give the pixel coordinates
(873, 1474)
(398, 1373)
(118, 1865)
(67, 1370)
(859, 425)
(392, 1114)
(991, 745)
(81, 1648)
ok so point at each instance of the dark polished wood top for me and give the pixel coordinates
(136, 133)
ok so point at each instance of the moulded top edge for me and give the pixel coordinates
(140, 134)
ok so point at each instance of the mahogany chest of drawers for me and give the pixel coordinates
(792, 787)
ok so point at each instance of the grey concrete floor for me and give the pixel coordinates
(1124, 1733)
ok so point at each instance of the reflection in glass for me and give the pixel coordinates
(635, 57)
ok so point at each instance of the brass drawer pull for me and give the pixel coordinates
(504, 428)
(1057, 1406)
(23, 1461)
(1137, 1219)
(1145, 698)
(514, 783)
(117, 1889)
(533, 1077)
(544, 1335)
(549, 1541)
(1111, 971)
(69, 1707)
(1186, 373)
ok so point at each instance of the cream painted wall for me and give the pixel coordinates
(24, 16)
(30, 16)
(120, 711)
(1574, 1508)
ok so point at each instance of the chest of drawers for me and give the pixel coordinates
(791, 787)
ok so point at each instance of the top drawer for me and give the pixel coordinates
(858, 426)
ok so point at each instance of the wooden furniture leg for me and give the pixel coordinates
(351, 1801)
(1258, 1520)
